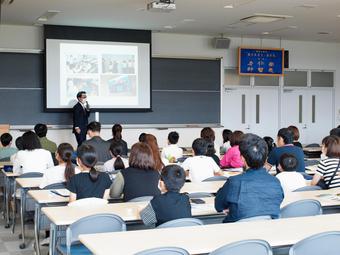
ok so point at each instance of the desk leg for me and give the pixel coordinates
(37, 228)
(22, 216)
(6, 200)
(14, 206)
(53, 239)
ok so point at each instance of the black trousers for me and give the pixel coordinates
(80, 137)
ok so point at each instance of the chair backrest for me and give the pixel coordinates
(98, 223)
(60, 185)
(308, 188)
(199, 195)
(141, 199)
(256, 218)
(216, 178)
(31, 175)
(252, 246)
(164, 251)
(184, 222)
(90, 201)
(301, 208)
(312, 145)
(327, 243)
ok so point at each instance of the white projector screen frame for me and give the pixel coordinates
(115, 75)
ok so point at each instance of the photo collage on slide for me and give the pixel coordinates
(101, 75)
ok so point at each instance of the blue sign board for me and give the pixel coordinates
(266, 62)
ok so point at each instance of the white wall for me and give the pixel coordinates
(303, 55)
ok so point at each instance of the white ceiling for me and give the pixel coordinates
(209, 16)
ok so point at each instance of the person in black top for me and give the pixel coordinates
(90, 182)
(296, 135)
(140, 178)
(117, 137)
(170, 205)
(81, 113)
(208, 134)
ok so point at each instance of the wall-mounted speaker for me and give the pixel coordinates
(221, 43)
(286, 59)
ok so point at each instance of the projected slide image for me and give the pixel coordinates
(119, 85)
(74, 85)
(81, 63)
(122, 64)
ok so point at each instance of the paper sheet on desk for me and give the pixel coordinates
(200, 208)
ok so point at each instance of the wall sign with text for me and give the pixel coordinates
(265, 62)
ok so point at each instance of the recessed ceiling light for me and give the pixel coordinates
(338, 16)
(47, 15)
(228, 6)
(308, 6)
(265, 33)
(324, 33)
(169, 27)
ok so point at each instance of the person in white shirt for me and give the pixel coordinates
(200, 167)
(117, 162)
(64, 170)
(32, 158)
(290, 179)
(172, 152)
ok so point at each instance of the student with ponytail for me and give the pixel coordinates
(117, 162)
(64, 170)
(89, 182)
(117, 137)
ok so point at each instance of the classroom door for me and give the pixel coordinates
(309, 109)
(252, 110)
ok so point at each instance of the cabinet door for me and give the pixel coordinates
(236, 109)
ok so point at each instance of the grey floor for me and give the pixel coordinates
(9, 243)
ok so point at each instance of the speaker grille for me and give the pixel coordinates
(221, 43)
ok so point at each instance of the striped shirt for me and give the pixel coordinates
(326, 169)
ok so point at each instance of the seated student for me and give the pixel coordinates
(253, 193)
(296, 136)
(89, 182)
(32, 158)
(101, 146)
(208, 134)
(226, 134)
(172, 152)
(232, 159)
(328, 168)
(151, 140)
(200, 167)
(64, 170)
(290, 180)
(140, 178)
(117, 136)
(335, 131)
(170, 205)
(117, 162)
(270, 143)
(285, 145)
(6, 151)
(41, 131)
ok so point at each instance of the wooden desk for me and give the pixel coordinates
(204, 239)
(43, 198)
(24, 185)
(129, 212)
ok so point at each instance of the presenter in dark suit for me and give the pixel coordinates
(81, 113)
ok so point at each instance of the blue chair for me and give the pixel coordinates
(164, 251)
(216, 178)
(327, 243)
(256, 218)
(308, 188)
(245, 247)
(199, 195)
(99, 223)
(301, 208)
(60, 185)
(141, 199)
(184, 222)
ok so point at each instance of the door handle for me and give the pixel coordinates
(304, 127)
